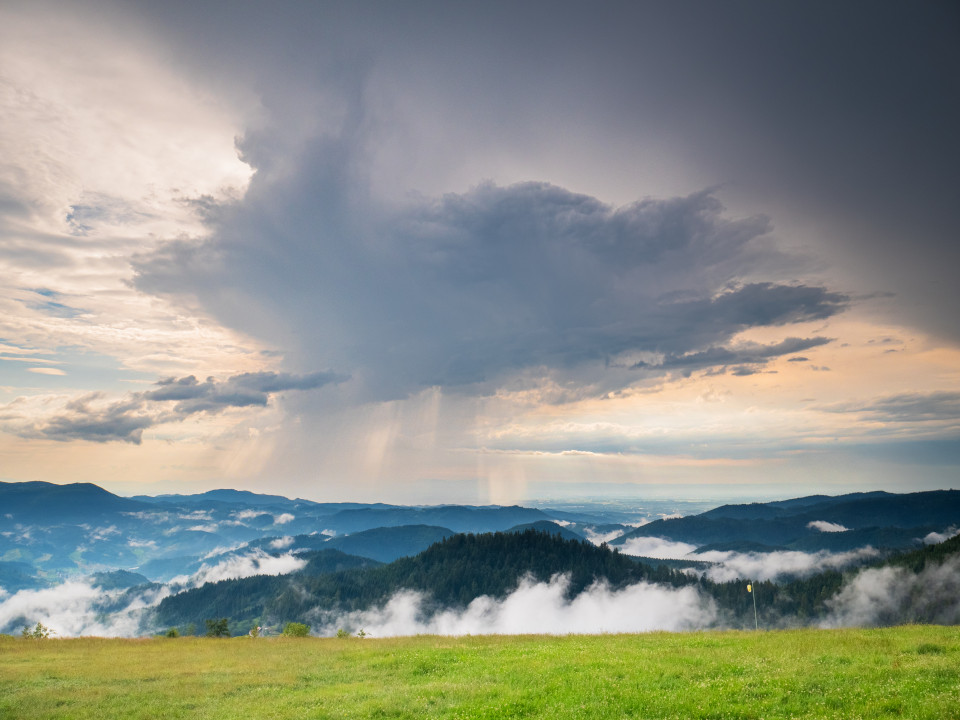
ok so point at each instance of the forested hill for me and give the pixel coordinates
(452, 572)
(929, 556)
(461, 568)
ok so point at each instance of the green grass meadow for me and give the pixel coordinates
(911, 672)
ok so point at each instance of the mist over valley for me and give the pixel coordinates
(83, 561)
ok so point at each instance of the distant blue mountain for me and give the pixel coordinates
(58, 531)
(387, 544)
(227, 496)
(883, 520)
(794, 507)
(235, 497)
(459, 518)
(54, 531)
(47, 502)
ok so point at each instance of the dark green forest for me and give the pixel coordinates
(453, 572)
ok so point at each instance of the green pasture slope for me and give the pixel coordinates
(911, 672)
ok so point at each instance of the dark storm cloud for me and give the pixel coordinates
(840, 113)
(751, 354)
(467, 287)
(238, 391)
(125, 420)
(831, 110)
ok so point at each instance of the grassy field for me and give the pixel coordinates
(899, 672)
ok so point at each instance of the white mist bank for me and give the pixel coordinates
(894, 595)
(781, 563)
(729, 565)
(657, 547)
(240, 566)
(76, 607)
(540, 608)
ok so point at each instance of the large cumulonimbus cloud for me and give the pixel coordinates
(93, 418)
(470, 288)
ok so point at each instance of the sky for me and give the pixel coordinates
(492, 252)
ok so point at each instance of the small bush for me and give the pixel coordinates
(295, 629)
(172, 633)
(218, 628)
(40, 632)
(341, 633)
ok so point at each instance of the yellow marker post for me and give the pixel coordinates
(756, 622)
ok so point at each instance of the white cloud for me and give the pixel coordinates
(281, 543)
(655, 547)
(103, 533)
(26, 537)
(154, 516)
(46, 371)
(223, 550)
(824, 526)
(209, 528)
(283, 518)
(599, 538)
(241, 566)
(248, 514)
(933, 538)
(541, 607)
(768, 566)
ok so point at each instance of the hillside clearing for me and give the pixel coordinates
(911, 671)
